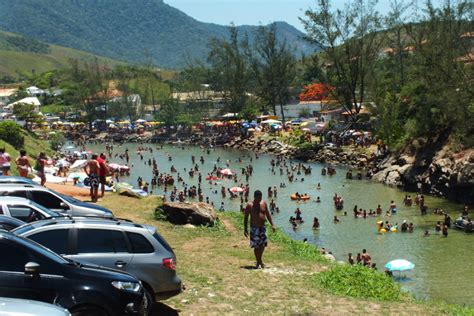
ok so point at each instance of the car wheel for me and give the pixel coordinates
(88, 311)
(150, 301)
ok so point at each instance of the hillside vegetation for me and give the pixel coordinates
(123, 29)
(20, 55)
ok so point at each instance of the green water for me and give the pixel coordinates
(444, 266)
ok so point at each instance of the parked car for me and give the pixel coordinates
(31, 271)
(135, 248)
(24, 209)
(16, 180)
(17, 307)
(9, 223)
(54, 200)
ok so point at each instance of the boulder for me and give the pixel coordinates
(182, 213)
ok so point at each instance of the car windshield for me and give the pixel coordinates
(45, 210)
(70, 199)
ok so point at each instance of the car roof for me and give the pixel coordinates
(11, 220)
(14, 199)
(16, 180)
(102, 221)
(13, 186)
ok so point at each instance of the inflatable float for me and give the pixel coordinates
(301, 198)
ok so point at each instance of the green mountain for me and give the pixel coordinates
(132, 30)
(20, 55)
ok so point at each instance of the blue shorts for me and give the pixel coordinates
(258, 237)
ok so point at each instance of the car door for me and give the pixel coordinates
(16, 284)
(106, 247)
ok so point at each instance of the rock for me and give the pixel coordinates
(189, 213)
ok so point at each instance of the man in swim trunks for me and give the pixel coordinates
(92, 169)
(258, 212)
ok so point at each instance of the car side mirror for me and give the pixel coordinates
(64, 206)
(32, 268)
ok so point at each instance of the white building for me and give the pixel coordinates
(35, 91)
(29, 100)
(5, 95)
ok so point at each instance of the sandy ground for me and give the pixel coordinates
(69, 189)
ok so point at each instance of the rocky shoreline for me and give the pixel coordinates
(434, 171)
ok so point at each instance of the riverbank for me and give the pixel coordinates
(213, 265)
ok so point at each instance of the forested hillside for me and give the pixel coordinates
(122, 29)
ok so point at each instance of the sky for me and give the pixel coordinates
(254, 12)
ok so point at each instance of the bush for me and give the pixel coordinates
(11, 133)
(359, 281)
(57, 140)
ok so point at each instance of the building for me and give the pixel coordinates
(35, 91)
(5, 95)
(29, 100)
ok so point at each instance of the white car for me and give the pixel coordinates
(24, 209)
(21, 307)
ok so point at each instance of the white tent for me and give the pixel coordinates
(78, 164)
(270, 121)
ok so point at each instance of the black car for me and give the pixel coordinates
(31, 271)
(9, 223)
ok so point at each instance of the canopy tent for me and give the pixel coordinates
(271, 121)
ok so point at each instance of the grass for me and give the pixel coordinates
(214, 264)
(13, 63)
(33, 146)
(358, 281)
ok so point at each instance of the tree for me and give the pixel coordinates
(274, 68)
(11, 133)
(229, 61)
(350, 45)
(316, 92)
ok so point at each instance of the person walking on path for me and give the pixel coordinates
(4, 162)
(41, 162)
(23, 164)
(258, 212)
(92, 169)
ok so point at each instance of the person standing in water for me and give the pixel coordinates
(258, 212)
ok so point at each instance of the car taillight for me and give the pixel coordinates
(169, 263)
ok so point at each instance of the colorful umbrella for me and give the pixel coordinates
(399, 265)
(227, 172)
(236, 190)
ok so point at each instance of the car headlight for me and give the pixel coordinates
(127, 286)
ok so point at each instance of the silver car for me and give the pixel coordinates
(54, 200)
(24, 209)
(20, 307)
(135, 248)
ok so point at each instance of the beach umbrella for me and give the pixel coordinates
(305, 129)
(140, 121)
(236, 190)
(70, 147)
(357, 134)
(304, 124)
(399, 265)
(227, 172)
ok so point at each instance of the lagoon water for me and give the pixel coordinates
(444, 266)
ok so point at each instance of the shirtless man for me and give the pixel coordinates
(92, 169)
(258, 212)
